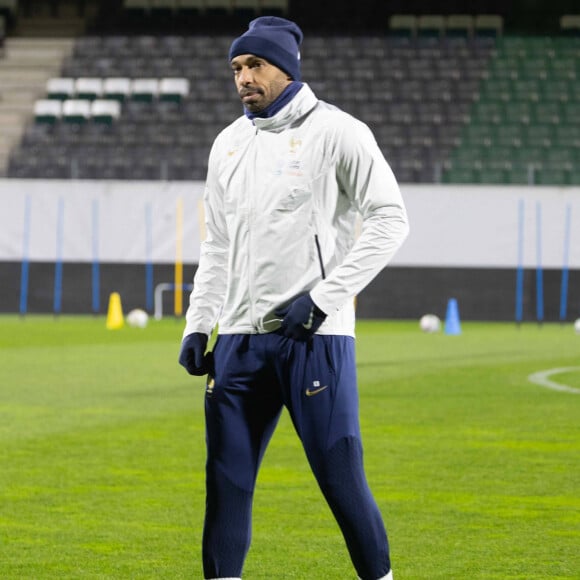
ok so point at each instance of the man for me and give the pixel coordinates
(279, 270)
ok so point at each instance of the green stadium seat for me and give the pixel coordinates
(548, 176)
(520, 174)
(498, 164)
(518, 111)
(568, 136)
(571, 114)
(574, 176)
(525, 90)
(478, 134)
(539, 135)
(461, 175)
(527, 154)
(558, 91)
(534, 68)
(496, 90)
(468, 155)
(492, 176)
(488, 112)
(501, 153)
(562, 155)
(512, 45)
(508, 135)
(546, 113)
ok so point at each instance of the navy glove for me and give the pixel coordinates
(301, 318)
(192, 355)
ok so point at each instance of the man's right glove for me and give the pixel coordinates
(192, 355)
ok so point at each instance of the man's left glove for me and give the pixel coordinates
(301, 319)
(192, 355)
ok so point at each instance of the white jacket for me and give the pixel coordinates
(281, 204)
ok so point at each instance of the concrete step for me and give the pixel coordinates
(30, 58)
(27, 65)
(20, 97)
(39, 43)
(10, 119)
(61, 27)
(23, 77)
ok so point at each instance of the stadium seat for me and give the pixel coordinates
(570, 24)
(118, 88)
(461, 175)
(47, 110)
(144, 89)
(403, 25)
(428, 101)
(190, 7)
(76, 110)
(459, 25)
(488, 25)
(137, 5)
(574, 176)
(60, 88)
(173, 89)
(163, 7)
(218, 7)
(88, 88)
(247, 9)
(430, 25)
(105, 110)
(275, 7)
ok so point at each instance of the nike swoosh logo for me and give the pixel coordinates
(308, 325)
(312, 392)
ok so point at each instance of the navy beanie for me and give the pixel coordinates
(275, 39)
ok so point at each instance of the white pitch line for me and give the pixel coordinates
(541, 378)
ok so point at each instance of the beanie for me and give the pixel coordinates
(275, 39)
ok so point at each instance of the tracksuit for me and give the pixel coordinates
(303, 201)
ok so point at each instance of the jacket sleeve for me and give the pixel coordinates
(209, 283)
(366, 178)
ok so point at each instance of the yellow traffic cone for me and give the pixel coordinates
(115, 313)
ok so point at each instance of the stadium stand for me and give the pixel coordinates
(524, 126)
(416, 108)
(450, 97)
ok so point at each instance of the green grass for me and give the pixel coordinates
(476, 469)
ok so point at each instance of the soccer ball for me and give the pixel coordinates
(137, 318)
(577, 326)
(430, 323)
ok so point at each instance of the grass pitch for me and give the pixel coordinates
(476, 470)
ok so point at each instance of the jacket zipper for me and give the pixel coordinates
(319, 252)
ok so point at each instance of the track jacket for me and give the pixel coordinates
(281, 203)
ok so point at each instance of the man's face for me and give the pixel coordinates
(259, 83)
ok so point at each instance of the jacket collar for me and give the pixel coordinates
(302, 103)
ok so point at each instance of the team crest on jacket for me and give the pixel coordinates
(294, 145)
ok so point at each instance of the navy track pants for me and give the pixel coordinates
(255, 377)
